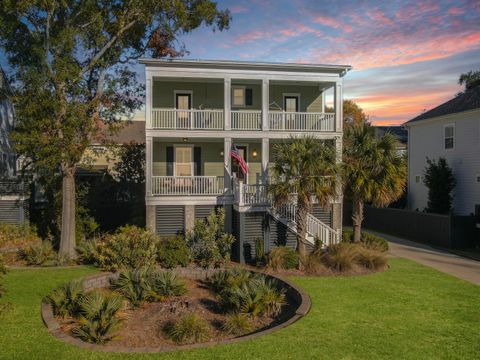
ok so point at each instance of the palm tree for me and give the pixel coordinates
(471, 79)
(307, 167)
(374, 172)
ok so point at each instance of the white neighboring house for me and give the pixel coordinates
(452, 131)
(197, 110)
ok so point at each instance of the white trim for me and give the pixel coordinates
(245, 134)
(297, 95)
(175, 92)
(439, 118)
(452, 125)
(189, 200)
(175, 158)
(242, 87)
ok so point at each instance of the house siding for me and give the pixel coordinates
(208, 95)
(426, 139)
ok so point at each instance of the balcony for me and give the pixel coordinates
(242, 120)
(188, 185)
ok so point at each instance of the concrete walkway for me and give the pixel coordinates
(441, 260)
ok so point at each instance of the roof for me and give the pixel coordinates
(398, 131)
(468, 100)
(248, 65)
(132, 131)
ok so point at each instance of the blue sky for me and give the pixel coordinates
(407, 55)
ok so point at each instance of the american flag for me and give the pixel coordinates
(235, 153)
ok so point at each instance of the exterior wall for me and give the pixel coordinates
(310, 96)
(209, 95)
(426, 139)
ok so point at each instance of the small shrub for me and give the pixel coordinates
(66, 299)
(134, 285)
(14, 236)
(312, 265)
(340, 257)
(188, 329)
(39, 254)
(87, 251)
(282, 258)
(165, 284)
(259, 250)
(230, 278)
(130, 247)
(371, 259)
(210, 244)
(237, 324)
(369, 240)
(173, 251)
(99, 317)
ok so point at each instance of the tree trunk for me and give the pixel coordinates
(357, 219)
(301, 220)
(67, 239)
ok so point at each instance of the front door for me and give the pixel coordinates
(236, 169)
(290, 104)
(183, 161)
(183, 101)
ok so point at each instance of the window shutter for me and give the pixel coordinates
(197, 161)
(248, 97)
(169, 160)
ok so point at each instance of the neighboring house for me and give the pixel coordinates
(13, 202)
(197, 110)
(451, 131)
(103, 155)
(400, 133)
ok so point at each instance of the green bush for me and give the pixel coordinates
(188, 329)
(282, 258)
(173, 251)
(99, 317)
(369, 240)
(39, 254)
(134, 285)
(235, 277)
(66, 299)
(87, 251)
(210, 244)
(14, 236)
(237, 324)
(130, 247)
(165, 284)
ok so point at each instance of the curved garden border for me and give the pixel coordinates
(293, 292)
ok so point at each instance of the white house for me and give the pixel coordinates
(452, 131)
(197, 110)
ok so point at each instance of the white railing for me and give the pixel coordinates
(301, 121)
(246, 120)
(247, 195)
(187, 185)
(321, 231)
(187, 119)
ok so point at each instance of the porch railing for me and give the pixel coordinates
(301, 121)
(245, 194)
(246, 120)
(187, 185)
(187, 119)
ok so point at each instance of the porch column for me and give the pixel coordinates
(265, 158)
(338, 205)
(265, 103)
(338, 97)
(148, 165)
(227, 145)
(148, 102)
(227, 100)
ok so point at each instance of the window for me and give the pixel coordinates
(477, 178)
(183, 161)
(449, 132)
(238, 96)
(418, 179)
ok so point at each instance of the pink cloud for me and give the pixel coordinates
(332, 22)
(379, 16)
(237, 9)
(456, 11)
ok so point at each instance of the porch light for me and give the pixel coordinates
(221, 153)
(254, 153)
(185, 139)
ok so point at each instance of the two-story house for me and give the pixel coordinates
(451, 131)
(197, 111)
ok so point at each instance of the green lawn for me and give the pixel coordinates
(407, 312)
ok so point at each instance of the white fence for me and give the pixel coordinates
(187, 185)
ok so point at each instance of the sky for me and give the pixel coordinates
(406, 55)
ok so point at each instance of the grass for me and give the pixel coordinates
(407, 312)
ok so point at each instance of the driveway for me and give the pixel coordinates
(441, 260)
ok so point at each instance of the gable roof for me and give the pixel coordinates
(468, 100)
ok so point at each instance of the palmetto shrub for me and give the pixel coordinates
(165, 284)
(130, 247)
(237, 324)
(340, 257)
(134, 285)
(87, 251)
(282, 258)
(13, 236)
(99, 317)
(235, 277)
(39, 254)
(190, 328)
(369, 240)
(66, 299)
(173, 251)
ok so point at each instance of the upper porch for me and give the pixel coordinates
(217, 97)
